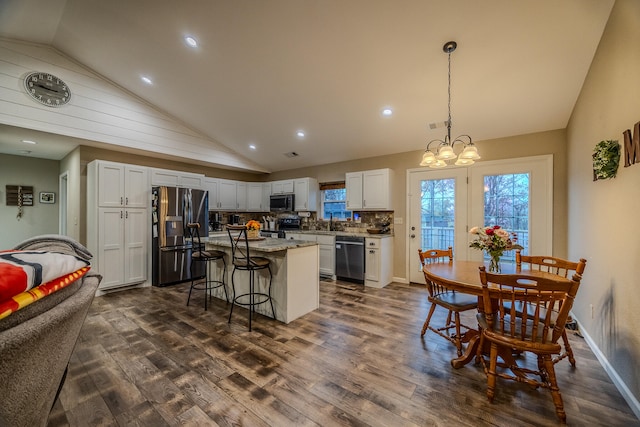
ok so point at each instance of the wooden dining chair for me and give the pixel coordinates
(537, 333)
(440, 295)
(560, 267)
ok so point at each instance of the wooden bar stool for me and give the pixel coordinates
(207, 258)
(242, 260)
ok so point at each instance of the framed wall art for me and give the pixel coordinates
(46, 197)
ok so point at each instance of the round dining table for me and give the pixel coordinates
(464, 276)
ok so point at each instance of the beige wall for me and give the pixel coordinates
(38, 219)
(603, 215)
(552, 142)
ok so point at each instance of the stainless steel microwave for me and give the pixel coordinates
(281, 203)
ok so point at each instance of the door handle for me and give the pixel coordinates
(413, 236)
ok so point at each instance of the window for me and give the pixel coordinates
(334, 203)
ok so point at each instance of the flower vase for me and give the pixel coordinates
(253, 234)
(494, 263)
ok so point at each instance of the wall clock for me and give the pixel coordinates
(47, 89)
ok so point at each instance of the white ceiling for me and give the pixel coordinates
(266, 68)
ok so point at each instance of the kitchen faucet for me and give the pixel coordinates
(331, 222)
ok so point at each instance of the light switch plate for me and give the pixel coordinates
(398, 220)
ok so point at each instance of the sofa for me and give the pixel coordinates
(37, 340)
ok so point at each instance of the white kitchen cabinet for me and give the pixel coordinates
(118, 225)
(285, 186)
(265, 205)
(228, 197)
(258, 196)
(212, 186)
(369, 190)
(327, 248)
(378, 261)
(121, 185)
(353, 184)
(241, 196)
(306, 194)
(170, 178)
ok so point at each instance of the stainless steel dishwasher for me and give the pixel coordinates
(350, 258)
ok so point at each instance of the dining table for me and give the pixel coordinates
(464, 276)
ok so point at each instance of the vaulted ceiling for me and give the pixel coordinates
(265, 69)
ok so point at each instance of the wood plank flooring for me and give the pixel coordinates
(146, 359)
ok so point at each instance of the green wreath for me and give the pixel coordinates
(606, 158)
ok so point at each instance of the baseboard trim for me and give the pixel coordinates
(631, 400)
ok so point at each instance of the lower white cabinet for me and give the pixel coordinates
(378, 261)
(121, 246)
(327, 248)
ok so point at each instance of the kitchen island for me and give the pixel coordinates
(294, 264)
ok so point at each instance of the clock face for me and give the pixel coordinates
(47, 89)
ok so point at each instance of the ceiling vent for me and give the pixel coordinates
(437, 125)
(291, 154)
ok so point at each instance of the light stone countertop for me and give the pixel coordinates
(267, 245)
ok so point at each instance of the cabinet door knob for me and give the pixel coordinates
(120, 200)
(126, 201)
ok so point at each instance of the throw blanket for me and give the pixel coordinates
(26, 276)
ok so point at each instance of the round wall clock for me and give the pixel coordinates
(47, 89)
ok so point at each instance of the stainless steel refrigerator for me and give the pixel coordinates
(172, 208)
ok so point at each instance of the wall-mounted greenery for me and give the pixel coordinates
(606, 158)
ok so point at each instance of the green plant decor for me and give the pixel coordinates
(606, 158)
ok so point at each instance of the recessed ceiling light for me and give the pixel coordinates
(191, 41)
(300, 134)
(252, 146)
(387, 112)
(24, 151)
(147, 80)
(28, 141)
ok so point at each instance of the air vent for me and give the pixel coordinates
(437, 125)
(291, 154)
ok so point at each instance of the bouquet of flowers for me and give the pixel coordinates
(253, 225)
(494, 241)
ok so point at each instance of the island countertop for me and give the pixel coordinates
(268, 244)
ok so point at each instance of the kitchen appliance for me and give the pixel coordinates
(289, 223)
(281, 203)
(172, 208)
(215, 221)
(234, 219)
(350, 258)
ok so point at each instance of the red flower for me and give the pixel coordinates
(489, 231)
(495, 227)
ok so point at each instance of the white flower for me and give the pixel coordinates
(474, 230)
(502, 233)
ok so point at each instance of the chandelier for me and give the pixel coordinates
(442, 151)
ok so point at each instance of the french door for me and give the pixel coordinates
(443, 204)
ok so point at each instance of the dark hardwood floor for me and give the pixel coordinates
(146, 359)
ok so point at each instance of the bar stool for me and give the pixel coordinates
(242, 260)
(206, 258)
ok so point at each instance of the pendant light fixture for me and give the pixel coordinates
(444, 148)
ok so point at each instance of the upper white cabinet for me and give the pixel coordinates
(212, 185)
(120, 185)
(176, 178)
(353, 183)
(282, 187)
(306, 194)
(369, 190)
(241, 196)
(258, 196)
(228, 197)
